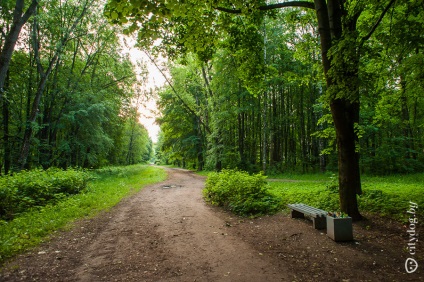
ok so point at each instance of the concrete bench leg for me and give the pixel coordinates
(319, 222)
(296, 214)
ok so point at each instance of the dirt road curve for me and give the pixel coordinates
(167, 233)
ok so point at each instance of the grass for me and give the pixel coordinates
(387, 196)
(203, 173)
(313, 177)
(109, 187)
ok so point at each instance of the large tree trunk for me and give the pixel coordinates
(344, 107)
(345, 115)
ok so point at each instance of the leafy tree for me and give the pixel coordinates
(11, 26)
(69, 26)
(183, 131)
(69, 92)
(391, 75)
(234, 117)
(345, 28)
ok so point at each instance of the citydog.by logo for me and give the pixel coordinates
(411, 265)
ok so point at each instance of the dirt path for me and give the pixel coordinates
(167, 233)
(164, 233)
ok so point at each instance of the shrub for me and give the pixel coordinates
(241, 193)
(32, 227)
(28, 189)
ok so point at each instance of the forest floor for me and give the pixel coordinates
(166, 232)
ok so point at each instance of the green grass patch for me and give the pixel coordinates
(390, 195)
(387, 196)
(317, 194)
(108, 187)
(317, 177)
(203, 172)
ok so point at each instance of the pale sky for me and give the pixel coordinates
(155, 79)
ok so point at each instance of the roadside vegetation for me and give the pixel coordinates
(241, 193)
(93, 192)
(387, 196)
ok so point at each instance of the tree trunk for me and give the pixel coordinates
(6, 134)
(345, 110)
(9, 45)
(26, 143)
(5, 58)
(43, 81)
(344, 115)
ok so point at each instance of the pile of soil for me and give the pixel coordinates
(167, 233)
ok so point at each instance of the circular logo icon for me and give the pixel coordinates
(411, 265)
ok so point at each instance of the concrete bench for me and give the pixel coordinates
(319, 217)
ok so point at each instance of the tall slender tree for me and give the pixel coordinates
(9, 37)
(44, 75)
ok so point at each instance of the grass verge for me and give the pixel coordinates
(109, 187)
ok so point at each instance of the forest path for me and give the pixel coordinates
(165, 232)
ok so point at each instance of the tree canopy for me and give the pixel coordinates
(349, 33)
(69, 94)
(258, 85)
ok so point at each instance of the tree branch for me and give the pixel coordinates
(29, 11)
(107, 85)
(365, 38)
(303, 4)
(175, 91)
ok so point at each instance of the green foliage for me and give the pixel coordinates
(240, 97)
(116, 171)
(181, 141)
(105, 191)
(241, 193)
(36, 188)
(390, 195)
(86, 106)
(386, 196)
(317, 194)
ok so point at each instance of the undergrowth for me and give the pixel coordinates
(107, 187)
(244, 194)
(36, 188)
(241, 193)
(386, 196)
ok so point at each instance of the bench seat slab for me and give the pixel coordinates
(318, 215)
